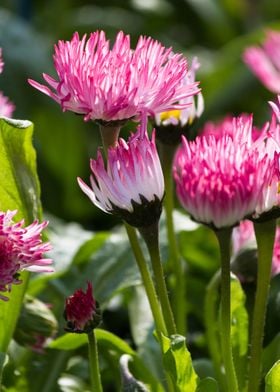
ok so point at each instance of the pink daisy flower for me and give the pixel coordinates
(264, 61)
(221, 181)
(132, 186)
(81, 311)
(192, 111)
(115, 84)
(21, 248)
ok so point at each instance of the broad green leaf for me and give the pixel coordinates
(71, 341)
(19, 189)
(178, 364)
(110, 342)
(272, 379)
(19, 185)
(111, 269)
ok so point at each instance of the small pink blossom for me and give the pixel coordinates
(192, 111)
(6, 107)
(118, 83)
(133, 178)
(21, 248)
(264, 61)
(243, 237)
(82, 311)
(221, 181)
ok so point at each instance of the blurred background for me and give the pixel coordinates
(214, 30)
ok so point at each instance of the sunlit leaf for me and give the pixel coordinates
(177, 362)
(272, 379)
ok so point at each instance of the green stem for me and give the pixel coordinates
(167, 154)
(265, 233)
(93, 363)
(211, 309)
(224, 238)
(147, 280)
(109, 136)
(150, 235)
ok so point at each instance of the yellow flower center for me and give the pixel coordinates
(170, 114)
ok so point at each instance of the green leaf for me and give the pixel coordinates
(271, 353)
(19, 189)
(239, 329)
(19, 185)
(111, 269)
(208, 384)
(72, 341)
(177, 362)
(110, 342)
(272, 378)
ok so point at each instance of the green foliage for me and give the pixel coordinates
(272, 378)
(177, 362)
(19, 189)
(111, 343)
(239, 329)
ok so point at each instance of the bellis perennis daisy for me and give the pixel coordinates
(132, 186)
(170, 125)
(222, 180)
(112, 84)
(21, 248)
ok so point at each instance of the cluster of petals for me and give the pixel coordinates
(264, 61)
(117, 83)
(21, 248)
(243, 237)
(6, 106)
(80, 309)
(189, 113)
(220, 181)
(133, 172)
(228, 125)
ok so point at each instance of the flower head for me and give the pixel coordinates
(132, 186)
(170, 125)
(264, 61)
(21, 248)
(82, 311)
(115, 84)
(220, 181)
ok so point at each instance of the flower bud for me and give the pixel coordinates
(36, 324)
(82, 312)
